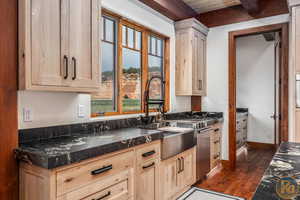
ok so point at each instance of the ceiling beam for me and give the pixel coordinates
(173, 9)
(251, 6)
(236, 14)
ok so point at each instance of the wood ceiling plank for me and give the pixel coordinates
(238, 13)
(209, 5)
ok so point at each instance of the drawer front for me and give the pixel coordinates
(116, 192)
(148, 152)
(87, 173)
(116, 186)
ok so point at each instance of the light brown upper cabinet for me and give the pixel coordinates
(59, 45)
(190, 58)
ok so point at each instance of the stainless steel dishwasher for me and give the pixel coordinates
(203, 152)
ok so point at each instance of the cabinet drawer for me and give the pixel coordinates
(87, 173)
(115, 187)
(149, 152)
(115, 192)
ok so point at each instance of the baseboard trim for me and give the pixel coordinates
(258, 145)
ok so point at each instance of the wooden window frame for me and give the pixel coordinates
(145, 33)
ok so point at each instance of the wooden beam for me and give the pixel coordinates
(8, 99)
(251, 6)
(173, 9)
(238, 13)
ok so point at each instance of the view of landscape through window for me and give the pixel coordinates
(131, 78)
(104, 101)
(130, 90)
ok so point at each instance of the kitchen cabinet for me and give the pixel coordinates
(134, 173)
(110, 176)
(59, 45)
(147, 175)
(177, 174)
(215, 146)
(190, 58)
(295, 64)
(241, 131)
(147, 187)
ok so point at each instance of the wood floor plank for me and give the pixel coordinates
(243, 181)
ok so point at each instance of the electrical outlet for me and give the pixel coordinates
(27, 115)
(81, 109)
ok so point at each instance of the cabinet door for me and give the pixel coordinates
(187, 176)
(169, 179)
(296, 29)
(85, 20)
(199, 64)
(147, 181)
(183, 63)
(48, 20)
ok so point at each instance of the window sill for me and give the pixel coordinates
(120, 116)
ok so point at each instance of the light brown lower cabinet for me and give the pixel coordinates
(215, 145)
(136, 173)
(147, 181)
(177, 174)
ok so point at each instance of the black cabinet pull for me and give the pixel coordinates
(101, 170)
(106, 195)
(217, 130)
(148, 166)
(66, 63)
(150, 153)
(75, 69)
(179, 168)
(218, 141)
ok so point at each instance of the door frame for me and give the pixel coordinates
(283, 28)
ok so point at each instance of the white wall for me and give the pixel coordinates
(50, 109)
(255, 85)
(217, 68)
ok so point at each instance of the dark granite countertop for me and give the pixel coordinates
(62, 151)
(286, 163)
(52, 147)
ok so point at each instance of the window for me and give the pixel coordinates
(155, 67)
(131, 55)
(105, 100)
(131, 80)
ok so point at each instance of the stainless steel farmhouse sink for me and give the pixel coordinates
(176, 140)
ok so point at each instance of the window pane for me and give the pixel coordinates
(130, 37)
(153, 46)
(155, 69)
(124, 35)
(103, 29)
(131, 80)
(109, 30)
(138, 37)
(159, 47)
(149, 45)
(104, 100)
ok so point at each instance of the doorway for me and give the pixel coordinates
(278, 106)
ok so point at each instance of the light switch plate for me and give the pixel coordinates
(81, 109)
(27, 115)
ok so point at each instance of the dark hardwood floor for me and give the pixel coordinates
(243, 181)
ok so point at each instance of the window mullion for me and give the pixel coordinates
(120, 68)
(145, 36)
